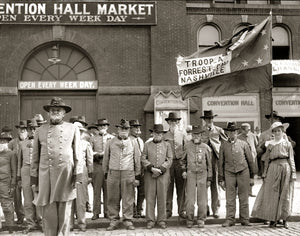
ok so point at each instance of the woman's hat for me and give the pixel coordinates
(231, 126)
(279, 124)
(208, 114)
(173, 116)
(57, 102)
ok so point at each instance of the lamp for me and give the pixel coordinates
(55, 55)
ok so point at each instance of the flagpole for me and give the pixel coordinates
(271, 57)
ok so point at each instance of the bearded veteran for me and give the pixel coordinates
(56, 164)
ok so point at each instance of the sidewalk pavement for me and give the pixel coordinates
(175, 221)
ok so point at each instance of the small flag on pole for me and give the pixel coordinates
(239, 64)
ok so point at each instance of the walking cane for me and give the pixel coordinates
(181, 204)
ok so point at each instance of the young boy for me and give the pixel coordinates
(197, 170)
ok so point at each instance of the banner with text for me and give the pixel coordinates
(57, 85)
(287, 104)
(91, 13)
(196, 69)
(285, 67)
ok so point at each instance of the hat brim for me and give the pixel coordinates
(82, 122)
(121, 126)
(284, 125)
(231, 129)
(41, 122)
(203, 117)
(67, 108)
(92, 127)
(20, 126)
(151, 130)
(102, 124)
(172, 119)
(135, 125)
(269, 117)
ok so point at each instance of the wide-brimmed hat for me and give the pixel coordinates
(92, 126)
(231, 126)
(274, 114)
(5, 135)
(6, 129)
(57, 102)
(81, 119)
(124, 124)
(80, 126)
(102, 121)
(73, 119)
(208, 114)
(32, 123)
(279, 124)
(39, 119)
(157, 128)
(197, 129)
(134, 123)
(22, 124)
(173, 116)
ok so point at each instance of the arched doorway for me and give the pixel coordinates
(58, 69)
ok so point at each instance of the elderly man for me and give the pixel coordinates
(14, 145)
(247, 136)
(235, 173)
(135, 132)
(23, 175)
(122, 168)
(212, 136)
(176, 138)
(56, 167)
(98, 142)
(8, 175)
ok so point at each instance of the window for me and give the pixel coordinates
(208, 35)
(280, 43)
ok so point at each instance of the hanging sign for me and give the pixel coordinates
(87, 13)
(57, 85)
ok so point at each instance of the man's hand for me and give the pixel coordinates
(136, 183)
(251, 182)
(184, 175)
(156, 171)
(222, 185)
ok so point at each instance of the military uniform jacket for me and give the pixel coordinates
(24, 155)
(8, 167)
(213, 137)
(235, 157)
(197, 158)
(56, 162)
(98, 143)
(122, 155)
(176, 140)
(158, 155)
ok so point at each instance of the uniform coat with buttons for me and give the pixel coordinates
(56, 162)
(236, 167)
(196, 162)
(158, 155)
(213, 136)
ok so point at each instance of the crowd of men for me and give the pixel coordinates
(52, 162)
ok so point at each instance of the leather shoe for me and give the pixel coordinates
(246, 223)
(111, 227)
(216, 216)
(272, 224)
(130, 227)
(285, 224)
(150, 225)
(182, 215)
(162, 225)
(228, 223)
(169, 214)
(20, 221)
(95, 217)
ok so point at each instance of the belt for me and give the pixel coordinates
(279, 158)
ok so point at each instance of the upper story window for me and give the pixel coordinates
(280, 43)
(208, 35)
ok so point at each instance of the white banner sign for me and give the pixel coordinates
(231, 104)
(285, 67)
(196, 69)
(287, 104)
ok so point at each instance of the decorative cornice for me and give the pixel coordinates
(241, 9)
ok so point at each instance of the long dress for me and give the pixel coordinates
(275, 198)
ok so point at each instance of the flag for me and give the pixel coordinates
(239, 64)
